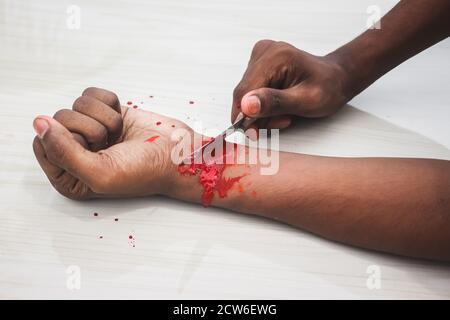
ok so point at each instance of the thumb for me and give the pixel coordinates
(63, 150)
(268, 102)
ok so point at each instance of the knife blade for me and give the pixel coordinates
(242, 122)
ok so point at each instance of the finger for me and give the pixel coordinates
(268, 102)
(259, 48)
(279, 122)
(254, 77)
(107, 97)
(91, 130)
(52, 171)
(62, 150)
(103, 113)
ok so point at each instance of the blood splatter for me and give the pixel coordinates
(158, 123)
(151, 139)
(95, 214)
(129, 103)
(135, 107)
(210, 176)
(131, 240)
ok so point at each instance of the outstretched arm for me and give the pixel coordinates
(394, 205)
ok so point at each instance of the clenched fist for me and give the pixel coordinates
(102, 149)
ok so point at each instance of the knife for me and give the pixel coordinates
(242, 122)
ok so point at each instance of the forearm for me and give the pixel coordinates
(409, 28)
(395, 205)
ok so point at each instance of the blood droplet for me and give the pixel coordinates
(135, 107)
(130, 237)
(173, 126)
(151, 139)
(158, 123)
(129, 103)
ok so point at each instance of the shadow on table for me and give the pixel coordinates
(163, 224)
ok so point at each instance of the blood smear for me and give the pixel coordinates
(151, 139)
(210, 177)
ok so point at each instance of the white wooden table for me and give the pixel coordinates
(177, 51)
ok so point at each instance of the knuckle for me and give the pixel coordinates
(237, 92)
(81, 103)
(89, 91)
(61, 114)
(260, 44)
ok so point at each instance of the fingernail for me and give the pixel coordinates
(253, 104)
(40, 126)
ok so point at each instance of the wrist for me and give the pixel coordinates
(346, 73)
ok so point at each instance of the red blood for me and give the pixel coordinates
(241, 188)
(129, 103)
(135, 107)
(151, 139)
(130, 237)
(191, 102)
(158, 123)
(210, 176)
(95, 214)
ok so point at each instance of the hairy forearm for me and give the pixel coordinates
(394, 205)
(409, 28)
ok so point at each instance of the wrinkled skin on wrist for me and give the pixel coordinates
(289, 82)
(118, 162)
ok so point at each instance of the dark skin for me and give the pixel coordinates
(282, 81)
(395, 205)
